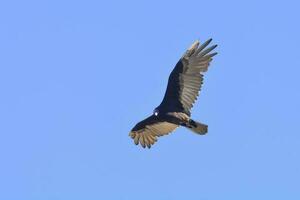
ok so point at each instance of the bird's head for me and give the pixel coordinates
(155, 112)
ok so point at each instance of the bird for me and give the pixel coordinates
(182, 91)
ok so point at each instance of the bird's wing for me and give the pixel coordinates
(186, 78)
(147, 131)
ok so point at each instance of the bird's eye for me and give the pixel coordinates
(155, 112)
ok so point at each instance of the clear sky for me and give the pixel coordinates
(75, 77)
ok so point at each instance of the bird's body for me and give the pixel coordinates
(183, 87)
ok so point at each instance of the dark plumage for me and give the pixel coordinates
(182, 91)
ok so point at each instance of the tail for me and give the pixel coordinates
(197, 127)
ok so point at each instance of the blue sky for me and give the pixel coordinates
(75, 77)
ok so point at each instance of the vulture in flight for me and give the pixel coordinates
(182, 91)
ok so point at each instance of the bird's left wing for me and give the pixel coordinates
(147, 131)
(186, 78)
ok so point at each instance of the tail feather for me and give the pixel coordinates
(197, 127)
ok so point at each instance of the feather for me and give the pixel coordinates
(136, 139)
(203, 46)
(142, 142)
(203, 53)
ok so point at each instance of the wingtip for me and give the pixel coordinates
(212, 47)
(208, 41)
(213, 54)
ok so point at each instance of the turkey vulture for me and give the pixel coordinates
(182, 91)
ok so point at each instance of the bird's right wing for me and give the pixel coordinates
(186, 78)
(147, 131)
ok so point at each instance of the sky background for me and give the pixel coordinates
(76, 76)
